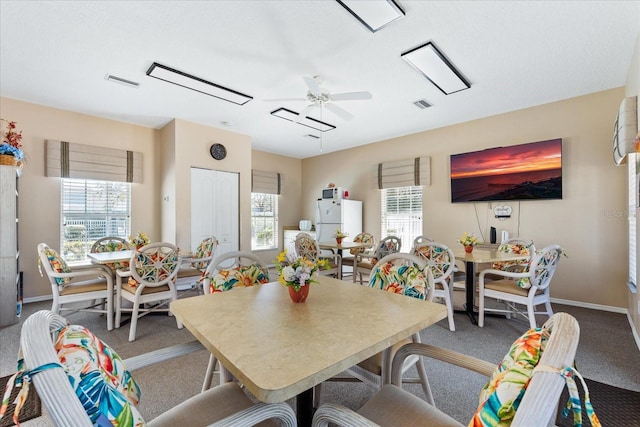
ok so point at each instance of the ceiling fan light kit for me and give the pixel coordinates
(431, 63)
(374, 15)
(180, 78)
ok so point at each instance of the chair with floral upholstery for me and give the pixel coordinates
(66, 361)
(366, 262)
(307, 247)
(523, 390)
(529, 287)
(149, 280)
(366, 238)
(193, 269)
(442, 262)
(92, 284)
(404, 274)
(112, 244)
(227, 271)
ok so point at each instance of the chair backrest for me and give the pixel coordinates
(307, 247)
(514, 245)
(388, 245)
(542, 268)
(112, 244)
(155, 264)
(52, 263)
(366, 238)
(404, 274)
(204, 253)
(439, 258)
(235, 268)
(420, 240)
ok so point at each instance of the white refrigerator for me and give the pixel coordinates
(332, 214)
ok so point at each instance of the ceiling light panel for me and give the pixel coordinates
(431, 63)
(373, 14)
(130, 83)
(168, 74)
(292, 116)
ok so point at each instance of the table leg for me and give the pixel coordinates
(304, 408)
(470, 291)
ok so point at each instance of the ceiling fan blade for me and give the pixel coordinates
(346, 96)
(312, 84)
(338, 111)
(285, 99)
(304, 113)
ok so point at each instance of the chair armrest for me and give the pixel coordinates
(260, 412)
(341, 416)
(452, 357)
(95, 270)
(162, 354)
(123, 273)
(502, 273)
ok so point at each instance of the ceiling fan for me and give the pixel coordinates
(320, 97)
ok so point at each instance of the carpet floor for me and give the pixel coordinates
(613, 406)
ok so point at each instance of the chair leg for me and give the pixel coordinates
(481, 308)
(208, 377)
(547, 305)
(317, 390)
(531, 313)
(134, 321)
(426, 388)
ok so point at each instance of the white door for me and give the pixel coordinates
(215, 208)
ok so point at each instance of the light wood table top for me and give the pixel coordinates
(279, 349)
(110, 257)
(478, 256)
(343, 245)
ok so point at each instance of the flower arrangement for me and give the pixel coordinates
(295, 271)
(468, 239)
(339, 234)
(11, 144)
(139, 240)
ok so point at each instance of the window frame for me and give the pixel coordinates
(272, 219)
(411, 221)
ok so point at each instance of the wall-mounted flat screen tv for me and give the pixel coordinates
(530, 171)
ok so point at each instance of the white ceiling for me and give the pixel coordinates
(516, 54)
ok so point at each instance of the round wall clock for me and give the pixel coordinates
(218, 151)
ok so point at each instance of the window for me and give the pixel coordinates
(264, 221)
(91, 210)
(401, 213)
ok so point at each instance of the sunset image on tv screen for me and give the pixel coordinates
(519, 172)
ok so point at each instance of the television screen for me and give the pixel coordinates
(530, 171)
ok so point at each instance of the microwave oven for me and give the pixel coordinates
(336, 193)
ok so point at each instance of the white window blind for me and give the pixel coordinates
(264, 221)
(91, 210)
(401, 213)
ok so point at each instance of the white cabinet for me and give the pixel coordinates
(289, 240)
(10, 292)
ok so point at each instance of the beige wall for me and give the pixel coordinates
(588, 222)
(289, 202)
(39, 203)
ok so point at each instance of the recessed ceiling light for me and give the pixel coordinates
(374, 15)
(292, 116)
(112, 78)
(312, 136)
(432, 64)
(168, 74)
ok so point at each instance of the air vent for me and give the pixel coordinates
(120, 80)
(422, 104)
(312, 136)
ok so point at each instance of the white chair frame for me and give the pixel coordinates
(361, 266)
(189, 276)
(95, 284)
(329, 256)
(64, 408)
(140, 297)
(540, 273)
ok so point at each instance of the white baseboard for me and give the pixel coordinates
(636, 337)
(590, 305)
(37, 299)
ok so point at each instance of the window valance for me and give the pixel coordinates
(265, 182)
(405, 173)
(69, 160)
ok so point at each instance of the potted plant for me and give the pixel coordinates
(296, 273)
(11, 153)
(468, 240)
(339, 235)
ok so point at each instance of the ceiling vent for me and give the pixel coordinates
(112, 78)
(422, 104)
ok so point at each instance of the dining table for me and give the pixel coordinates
(279, 349)
(480, 256)
(110, 257)
(340, 247)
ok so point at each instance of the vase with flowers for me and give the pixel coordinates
(339, 235)
(11, 153)
(139, 240)
(296, 273)
(468, 240)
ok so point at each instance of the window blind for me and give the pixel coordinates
(401, 214)
(405, 173)
(265, 182)
(69, 160)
